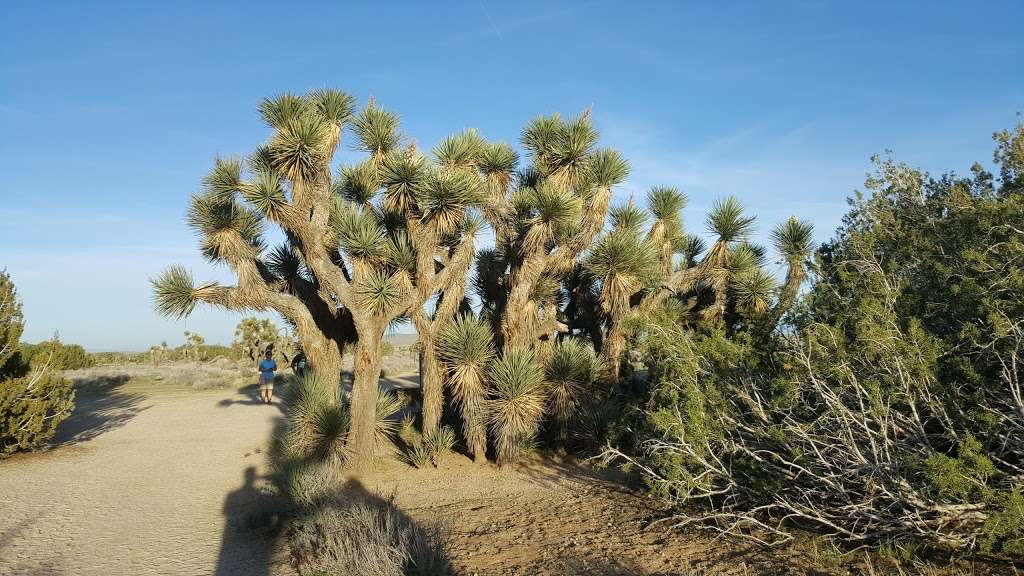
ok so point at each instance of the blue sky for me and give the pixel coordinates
(112, 111)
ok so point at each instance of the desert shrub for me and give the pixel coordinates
(892, 413)
(34, 399)
(370, 537)
(56, 354)
(213, 351)
(31, 408)
(117, 358)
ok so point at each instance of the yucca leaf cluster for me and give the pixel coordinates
(509, 396)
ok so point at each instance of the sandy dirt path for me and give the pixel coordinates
(145, 481)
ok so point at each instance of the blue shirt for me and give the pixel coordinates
(267, 368)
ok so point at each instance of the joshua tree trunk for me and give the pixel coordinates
(614, 347)
(433, 396)
(366, 367)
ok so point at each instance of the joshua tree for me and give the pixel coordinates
(466, 346)
(362, 247)
(252, 335)
(158, 354)
(517, 403)
(543, 220)
(628, 271)
(193, 348)
(543, 216)
(625, 263)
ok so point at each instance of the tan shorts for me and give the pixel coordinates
(267, 385)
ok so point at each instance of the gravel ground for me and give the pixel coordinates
(142, 481)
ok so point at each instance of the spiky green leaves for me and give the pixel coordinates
(280, 110)
(266, 194)
(555, 210)
(563, 151)
(793, 239)
(728, 222)
(399, 252)
(606, 168)
(625, 263)
(541, 136)
(300, 148)
(228, 231)
(571, 369)
(692, 246)
(466, 348)
(497, 158)
(487, 281)
(569, 158)
(359, 182)
(385, 425)
(334, 106)
(379, 292)
(403, 176)
(666, 203)
(754, 289)
(517, 402)
(225, 178)
(174, 292)
(360, 235)
(284, 263)
(745, 257)
(318, 422)
(377, 131)
(466, 345)
(462, 150)
(627, 218)
(306, 131)
(446, 196)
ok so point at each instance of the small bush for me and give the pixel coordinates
(366, 538)
(422, 450)
(33, 398)
(31, 407)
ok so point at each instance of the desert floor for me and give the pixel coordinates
(157, 478)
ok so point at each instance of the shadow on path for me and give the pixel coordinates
(252, 522)
(252, 398)
(100, 406)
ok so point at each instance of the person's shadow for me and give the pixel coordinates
(251, 522)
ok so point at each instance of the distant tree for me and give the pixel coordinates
(158, 354)
(253, 335)
(33, 399)
(193, 347)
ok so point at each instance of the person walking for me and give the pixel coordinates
(267, 367)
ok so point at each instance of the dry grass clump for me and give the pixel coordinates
(370, 537)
